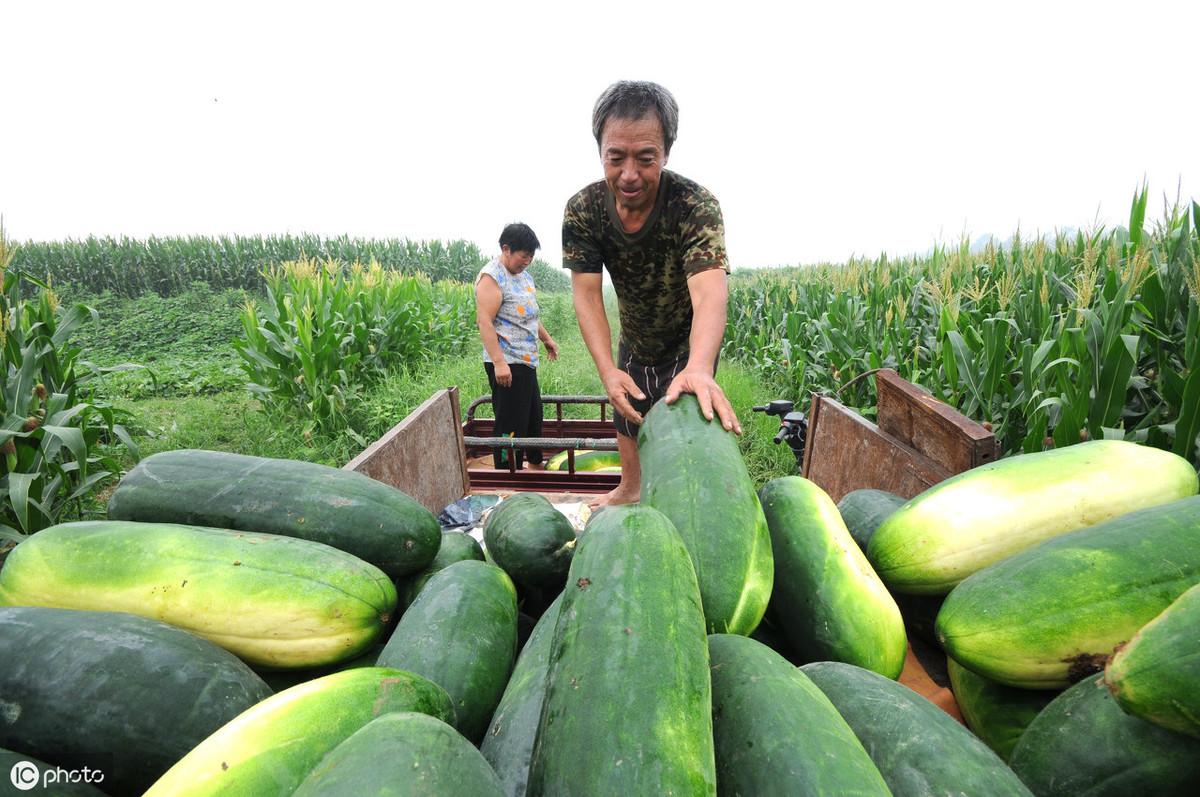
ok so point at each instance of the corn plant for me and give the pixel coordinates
(324, 332)
(1050, 341)
(51, 430)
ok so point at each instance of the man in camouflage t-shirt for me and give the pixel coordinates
(662, 239)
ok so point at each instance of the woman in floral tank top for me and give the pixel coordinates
(506, 311)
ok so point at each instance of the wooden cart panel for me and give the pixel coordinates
(917, 442)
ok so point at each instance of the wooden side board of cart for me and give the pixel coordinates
(437, 458)
(915, 442)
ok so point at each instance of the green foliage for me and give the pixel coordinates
(182, 344)
(557, 315)
(325, 332)
(174, 374)
(198, 320)
(51, 431)
(547, 278)
(1088, 336)
(166, 266)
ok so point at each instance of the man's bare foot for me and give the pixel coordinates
(619, 495)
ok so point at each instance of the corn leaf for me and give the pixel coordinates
(18, 496)
(1187, 425)
(1114, 381)
(72, 438)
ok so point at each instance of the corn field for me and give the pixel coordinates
(1050, 342)
(326, 330)
(52, 432)
(168, 266)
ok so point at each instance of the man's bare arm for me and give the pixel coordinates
(588, 295)
(709, 293)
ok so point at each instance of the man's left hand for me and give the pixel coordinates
(708, 393)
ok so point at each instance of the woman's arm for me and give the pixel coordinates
(487, 304)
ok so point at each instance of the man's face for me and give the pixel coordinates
(633, 154)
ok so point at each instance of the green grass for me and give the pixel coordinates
(764, 459)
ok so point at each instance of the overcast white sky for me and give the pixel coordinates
(824, 129)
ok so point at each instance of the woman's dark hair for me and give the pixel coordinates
(519, 237)
(633, 99)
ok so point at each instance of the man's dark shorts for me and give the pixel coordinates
(653, 380)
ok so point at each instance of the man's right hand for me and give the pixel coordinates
(619, 386)
(503, 374)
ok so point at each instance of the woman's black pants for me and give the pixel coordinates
(518, 410)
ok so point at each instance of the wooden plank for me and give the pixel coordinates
(845, 451)
(917, 678)
(567, 428)
(423, 455)
(542, 481)
(929, 426)
(464, 476)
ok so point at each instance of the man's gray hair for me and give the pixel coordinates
(633, 99)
